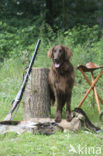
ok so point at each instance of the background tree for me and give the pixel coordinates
(29, 18)
(64, 14)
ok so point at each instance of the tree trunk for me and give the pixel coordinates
(64, 13)
(36, 95)
(49, 12)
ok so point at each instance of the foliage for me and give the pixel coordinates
(18, 36)
(82, 33)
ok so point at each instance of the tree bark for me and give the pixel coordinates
(36, 95)
(49, 12)
(64, 13)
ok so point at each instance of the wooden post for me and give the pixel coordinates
(36, 95)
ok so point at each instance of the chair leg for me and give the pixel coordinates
(85, 97)
(92, 78)
(88, 81)
(100, 99)
(93, 104)
(95, 93)
(97, 100)
(92, 86)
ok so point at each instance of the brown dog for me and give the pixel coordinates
(61, 79)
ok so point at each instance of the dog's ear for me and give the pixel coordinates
(68, 53)
(50, 53)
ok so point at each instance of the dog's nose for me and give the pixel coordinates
(55, 59)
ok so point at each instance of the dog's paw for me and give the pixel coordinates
(52, 103)
(58, 118)
(68, 117)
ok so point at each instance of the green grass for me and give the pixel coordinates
(58, 144)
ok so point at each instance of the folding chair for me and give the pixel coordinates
(90, 67)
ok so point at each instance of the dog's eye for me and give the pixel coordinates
(54, 51)
(60, 51)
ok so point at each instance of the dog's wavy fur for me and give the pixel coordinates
(61, 81)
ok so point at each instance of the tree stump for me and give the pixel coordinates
(36, 95)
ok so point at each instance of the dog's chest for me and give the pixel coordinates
(61, 84)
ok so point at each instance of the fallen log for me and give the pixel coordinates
(49, 126)
(39, 125)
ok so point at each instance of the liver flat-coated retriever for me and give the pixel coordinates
(61, 79)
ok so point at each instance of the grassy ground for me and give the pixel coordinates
(59, 144)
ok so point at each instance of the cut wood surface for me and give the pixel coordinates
(36, 95)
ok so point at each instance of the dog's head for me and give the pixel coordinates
(59, 54)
